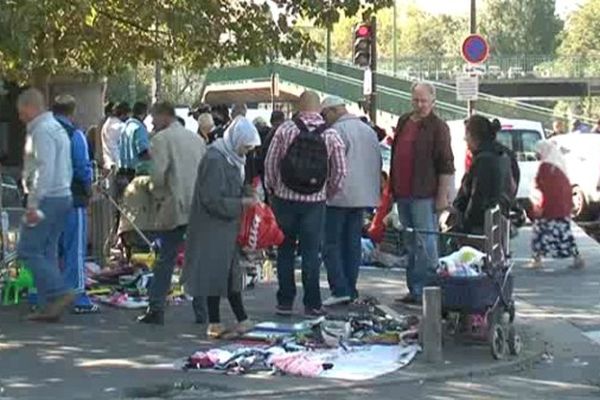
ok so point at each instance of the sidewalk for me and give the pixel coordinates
(110, 356)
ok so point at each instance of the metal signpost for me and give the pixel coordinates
(475, 51)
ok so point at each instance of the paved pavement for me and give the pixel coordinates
(110, 356)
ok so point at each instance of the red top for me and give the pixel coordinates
(468, 161)
(404, 157)
(556, 194)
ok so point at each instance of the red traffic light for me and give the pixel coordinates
(363, 31)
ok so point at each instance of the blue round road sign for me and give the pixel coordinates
(475, 49)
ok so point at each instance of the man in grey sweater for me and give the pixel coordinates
(47, 175)
(345, 211)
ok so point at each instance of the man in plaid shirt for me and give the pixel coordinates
(300, 216)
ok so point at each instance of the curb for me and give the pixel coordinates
(496, 367)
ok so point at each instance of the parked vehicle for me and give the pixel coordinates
(582, 156)
(521, 136)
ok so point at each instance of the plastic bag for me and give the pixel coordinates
(377, 229)
(259, 228)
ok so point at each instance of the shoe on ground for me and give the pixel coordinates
(314, 312)
(152, 317)
(238, 330)
(335, 300)
(535, 263)
(215, 331)
(578, 263)
(284, 311)
(56, 309)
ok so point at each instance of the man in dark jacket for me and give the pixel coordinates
(422, 170)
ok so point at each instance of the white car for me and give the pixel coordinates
(521, 136)
(582, 156)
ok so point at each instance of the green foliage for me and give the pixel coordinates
(521, 27)
(105, 37)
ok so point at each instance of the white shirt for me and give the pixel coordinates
(111, 134)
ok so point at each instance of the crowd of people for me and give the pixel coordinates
(320, 170)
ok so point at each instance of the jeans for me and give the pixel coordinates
(422, 248)
(301, 223)
(73, 248)
(38, 248)
(170, 241)
(343, 250)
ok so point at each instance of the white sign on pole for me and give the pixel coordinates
(368, 82)
(467, 87)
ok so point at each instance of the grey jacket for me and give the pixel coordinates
(362, 186)
(47, 168)
(211, 254)
(176, 154)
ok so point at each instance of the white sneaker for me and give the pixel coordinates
(333, 301)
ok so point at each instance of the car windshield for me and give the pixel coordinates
(521, 141)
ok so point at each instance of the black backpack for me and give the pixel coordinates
(305, 167)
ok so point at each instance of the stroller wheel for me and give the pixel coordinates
(498, 341)
(515, 345)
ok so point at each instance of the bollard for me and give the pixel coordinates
(432, 324)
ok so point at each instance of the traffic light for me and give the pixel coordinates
(363, 40)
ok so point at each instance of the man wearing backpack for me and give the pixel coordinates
(73, 241)
(305, 166)
(345, 212)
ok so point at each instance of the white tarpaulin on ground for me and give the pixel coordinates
(369, 362)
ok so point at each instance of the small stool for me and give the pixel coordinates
(14, 286)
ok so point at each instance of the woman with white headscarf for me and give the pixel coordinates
(552, 204)
(211, 267)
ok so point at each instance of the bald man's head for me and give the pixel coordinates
(309, 102)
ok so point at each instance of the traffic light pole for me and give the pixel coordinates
(373, 66)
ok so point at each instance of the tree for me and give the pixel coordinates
(39, 38)
(579, 52)
(582, 33)
(521, 26)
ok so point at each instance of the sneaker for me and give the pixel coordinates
(335, 300)
(314, 312)
(238, 330)
(284, 311)
(215, 331)
(535, 263)
(152, 317)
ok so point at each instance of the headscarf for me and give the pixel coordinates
(241, 132)
(550, 153)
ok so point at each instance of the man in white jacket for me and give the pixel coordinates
(345, 211)
(47, 176)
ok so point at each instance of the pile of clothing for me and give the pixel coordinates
(312, 348)
(466, 262)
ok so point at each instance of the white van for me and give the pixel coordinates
(582, 156)
(521, 136)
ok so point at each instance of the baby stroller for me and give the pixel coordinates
(481, 308)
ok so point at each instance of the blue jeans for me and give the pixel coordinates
(343, 250)
(170, 241)
(422, 248)
(73, 248)
(301, 223)
(38, 248)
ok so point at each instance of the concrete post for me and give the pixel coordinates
(432, 324)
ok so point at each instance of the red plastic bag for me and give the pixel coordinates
(259, 228)
(377, 228)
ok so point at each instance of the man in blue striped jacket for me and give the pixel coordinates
(73, 241)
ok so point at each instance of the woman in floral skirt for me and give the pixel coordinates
(551, 209)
